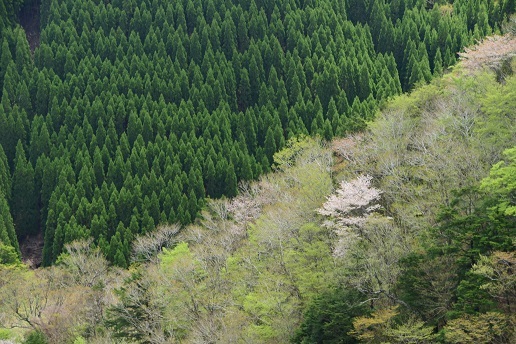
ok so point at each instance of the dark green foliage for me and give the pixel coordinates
(5, 175)
(474, 229)
(471, 298)
(9, 10)
(9, 249)
(136, 311)
(7, 232)
(5, 59)
(428, 285)
(329, 318)
(35, 337)
(438, 284)
(23, 197)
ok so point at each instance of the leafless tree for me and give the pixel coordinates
(147, 247)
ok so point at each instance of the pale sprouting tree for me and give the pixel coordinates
(147, 247)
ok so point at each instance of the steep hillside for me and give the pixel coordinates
(131, 113)
(250, 172)
(403, 233)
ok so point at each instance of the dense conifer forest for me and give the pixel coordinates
(253, 171)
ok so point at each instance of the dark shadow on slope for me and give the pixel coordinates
(29, 20)
(32, 250)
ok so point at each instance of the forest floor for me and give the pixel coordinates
(32, 250)
(29, 20)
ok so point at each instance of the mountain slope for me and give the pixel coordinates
(131, 113)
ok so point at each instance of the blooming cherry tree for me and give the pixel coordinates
(349, 209)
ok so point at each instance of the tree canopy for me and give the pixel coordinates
(131, 113)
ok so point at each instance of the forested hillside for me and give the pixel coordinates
(131, 113)
(403, 233)
(258, 171)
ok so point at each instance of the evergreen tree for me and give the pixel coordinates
(230, 181)
(5, 175)
(270, 144)
(23, 196)
(5, 59)
(7, 232)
